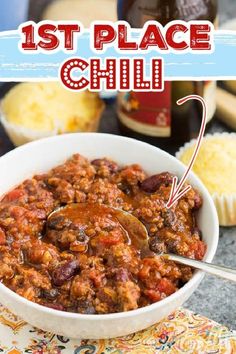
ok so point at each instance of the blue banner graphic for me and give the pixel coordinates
(19, 66)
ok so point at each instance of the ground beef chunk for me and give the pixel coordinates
(83, 261)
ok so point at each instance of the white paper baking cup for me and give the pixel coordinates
(225, 203)
(20, 135)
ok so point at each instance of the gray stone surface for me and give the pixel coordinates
(227, 9)
(216, 298)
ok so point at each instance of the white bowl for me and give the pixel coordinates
(39, 157)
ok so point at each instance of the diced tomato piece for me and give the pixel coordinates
(2, 237)
(108, 241)
(199, 248)
(17, 211)
(13, 195)
(166, 286)
(113, 238)
(96, 277)
(154, 295)
(147, 265)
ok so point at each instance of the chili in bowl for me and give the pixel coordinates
(65, 256)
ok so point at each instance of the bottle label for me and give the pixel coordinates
(190, 9)
(148, 113)
(139, 11)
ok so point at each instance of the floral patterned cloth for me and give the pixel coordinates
(182, 332)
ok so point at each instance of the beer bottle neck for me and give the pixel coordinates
(137, 12)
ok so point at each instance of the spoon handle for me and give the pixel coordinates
(223, 272)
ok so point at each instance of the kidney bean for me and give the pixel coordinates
(112, 166)
(172, 246)
(122, 275)
(153, 183)
(64, 272)
(197, 201)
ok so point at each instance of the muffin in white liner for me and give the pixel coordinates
(85, 11)
(20, 135)
(31, 111)
(216, 167)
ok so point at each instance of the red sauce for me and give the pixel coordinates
(82, 259)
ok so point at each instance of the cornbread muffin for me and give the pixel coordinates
(85, 11)
(81, 10)
(34, 110)
(216, 167)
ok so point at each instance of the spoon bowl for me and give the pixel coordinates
(42, 155)
(138, 236)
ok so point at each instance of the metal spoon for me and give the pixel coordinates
(138, 236)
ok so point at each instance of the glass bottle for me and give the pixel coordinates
(155, 117)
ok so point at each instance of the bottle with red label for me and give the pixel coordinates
(155, 117)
